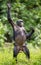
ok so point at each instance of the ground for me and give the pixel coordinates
(6, 56)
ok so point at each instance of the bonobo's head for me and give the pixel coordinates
(20, 22)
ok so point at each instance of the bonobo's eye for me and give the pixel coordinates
(20, 22)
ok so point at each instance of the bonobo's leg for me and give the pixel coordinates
(26, 51)
(15, 51)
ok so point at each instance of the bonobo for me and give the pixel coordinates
(20, 35)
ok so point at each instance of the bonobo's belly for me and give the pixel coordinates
(20, 38)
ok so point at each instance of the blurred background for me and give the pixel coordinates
(30, 12)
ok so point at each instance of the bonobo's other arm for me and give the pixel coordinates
(8, 15)
(28, 35)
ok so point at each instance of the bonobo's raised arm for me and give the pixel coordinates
(30, 33)
(8, 15)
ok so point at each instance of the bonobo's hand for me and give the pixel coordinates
(9, 5)
(32, 29)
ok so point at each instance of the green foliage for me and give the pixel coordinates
(6, 57)
(29, 11)
(1, 34)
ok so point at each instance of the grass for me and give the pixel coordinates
(6, 57)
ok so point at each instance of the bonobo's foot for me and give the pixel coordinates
(28, 56)
(15, 52)
(16, 60)
(26, 51)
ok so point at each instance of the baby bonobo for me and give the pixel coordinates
(20, 35)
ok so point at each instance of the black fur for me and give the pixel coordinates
(28, 35)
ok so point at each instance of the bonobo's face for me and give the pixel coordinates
(20, 23)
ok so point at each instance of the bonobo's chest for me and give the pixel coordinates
(20, 36)
(19, 31)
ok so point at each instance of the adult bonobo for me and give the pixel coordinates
(20, 35)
